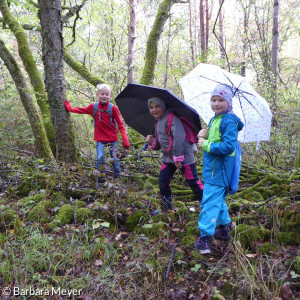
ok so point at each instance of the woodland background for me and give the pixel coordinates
(57, 230)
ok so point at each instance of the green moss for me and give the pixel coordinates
(18, 228)
(30, 201)
(267, 247)
(9, 216)
(65, 214)
(288, 238)
(137, 217)
(254, 196)
(234, 207)
(79, 204)
(39, 213)
(83, 214)
(187, 241)
(154, 230)
(191, 228)
(2, 238)
(247, 235)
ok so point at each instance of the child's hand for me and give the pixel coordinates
(178, 164)
(200, 142)
(149, 139)
(202, 133)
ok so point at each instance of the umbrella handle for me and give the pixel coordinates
(145, 146)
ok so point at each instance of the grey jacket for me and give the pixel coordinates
(181, 148)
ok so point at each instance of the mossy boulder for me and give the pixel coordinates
(247, 235)
(154, 230)
(8, 217)
(18, 228)
(30, 201)
(234, 207)
(83, 214)
(267, 247)
(137, 217)
(188, 241)
(288, 238)
(40, 212)
(65, 215)
(79, 204)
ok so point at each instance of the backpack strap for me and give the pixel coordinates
(109, 111)
(168, 131)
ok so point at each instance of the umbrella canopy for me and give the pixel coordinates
(248, 105)
(133, 105)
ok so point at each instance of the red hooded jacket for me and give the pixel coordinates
(103, 132)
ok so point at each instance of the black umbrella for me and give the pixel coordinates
(133, 105)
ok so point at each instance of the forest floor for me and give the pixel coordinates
(62, 238)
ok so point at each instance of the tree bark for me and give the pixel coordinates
(202, 30)
(34, 117)
(31, 69)
(52, 50)
(275, 40)
(152, 42)
(221, 35)
(131, 42)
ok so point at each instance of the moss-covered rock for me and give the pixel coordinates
(137, 217)
(30, 201)
(154, 230)
(288, 238)
(83, 214)
(267, 247)
(39, 213)
(191, 228)
(65, 214)
(79, 204)
(234, 207)
(247, 235)
(8, 217)
(187, 241)
(18, 228)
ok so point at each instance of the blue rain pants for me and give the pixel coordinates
(214, 210)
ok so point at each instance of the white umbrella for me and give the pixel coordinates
(248, 105)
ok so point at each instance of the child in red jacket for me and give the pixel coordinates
(107, 122)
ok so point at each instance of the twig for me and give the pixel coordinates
(170, 262)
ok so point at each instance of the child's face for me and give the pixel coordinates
(218, 104)
(104, 95)
(156, 111)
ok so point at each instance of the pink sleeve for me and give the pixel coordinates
(178, 158)
(154, 144)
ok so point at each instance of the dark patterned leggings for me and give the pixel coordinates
(190, 174)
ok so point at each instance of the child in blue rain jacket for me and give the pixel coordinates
(218, 144)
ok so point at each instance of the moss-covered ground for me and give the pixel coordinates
(58, 230)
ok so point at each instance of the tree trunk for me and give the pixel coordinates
(131, 42)
(191, 34)
(51, 23)
(202, 31)
(152, 42)
(221, 35)
(31, 69)
(168, 55)
(275, 40)
(36, 123)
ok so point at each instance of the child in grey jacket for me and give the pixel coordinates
(179, 156)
